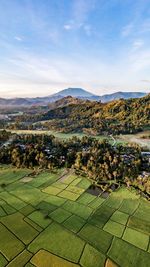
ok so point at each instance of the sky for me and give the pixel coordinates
(102, 46)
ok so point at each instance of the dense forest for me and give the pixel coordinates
(92, 117)
(98, 160)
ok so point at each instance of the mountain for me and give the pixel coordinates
(119, 95)
(74, 92)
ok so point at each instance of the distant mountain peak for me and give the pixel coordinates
(75, 92)
(69, 92)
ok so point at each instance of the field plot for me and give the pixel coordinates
(50, 221)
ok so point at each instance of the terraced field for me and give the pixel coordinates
(48, 221)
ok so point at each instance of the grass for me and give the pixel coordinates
(29, 194)
(19, 227)
(12, 200)
(143, 211)
(60, 215)
(40, 219)
(11, 175)
(125, 254)
(33, 224)
(10, 246)
(60, 185)
(75, 189)
(55, 200)
(101, 216)
(84, 183)
(52, 190)
(2, 212)
(100, 239)
(69, 195)
(113, 201)
(59, 241)
(57, 134)
(139, 224)
(44, 258)
(136, 238)
(7, 208)
(129, 206)
(46, 207)
(92, 257)
(96, 202)
(57, 223)
(86, 198)
(120, 217)
(21, 259)
(43, 178)
(78, 209)
(74, 223)
(114, 228)
(3, 261)
(26, 210)
(70, 179)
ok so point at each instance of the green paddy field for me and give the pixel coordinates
(49, 220)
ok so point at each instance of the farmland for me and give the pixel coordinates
(47, 219)
(139, 138)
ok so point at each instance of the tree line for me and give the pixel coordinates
(98, 160)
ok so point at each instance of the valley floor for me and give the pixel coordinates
(129, 138)
(48, 219)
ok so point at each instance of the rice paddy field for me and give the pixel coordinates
(49, 220)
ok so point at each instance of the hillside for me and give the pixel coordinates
(119, 116)
(68, 100)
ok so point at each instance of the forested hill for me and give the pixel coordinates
(119, 116)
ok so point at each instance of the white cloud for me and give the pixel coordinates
(32, 75)
(18, 38)
(127, 30)
(137, 44)
(82, 9)
(67, 27)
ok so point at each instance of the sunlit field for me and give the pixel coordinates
(48, 219)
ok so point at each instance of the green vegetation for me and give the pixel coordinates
(44, 228)
(43, 258)
(21, 259)
(136, 238)
(74, 223)
(106, 165)
(124, 254)
(19, 227)
(39, 218)
(60, 215)
(10, 246)
(91, 117)
(114, 228)
(59, 241)
(91, 257)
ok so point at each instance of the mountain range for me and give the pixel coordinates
(74, 92)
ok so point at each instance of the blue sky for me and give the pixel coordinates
(48, 45)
